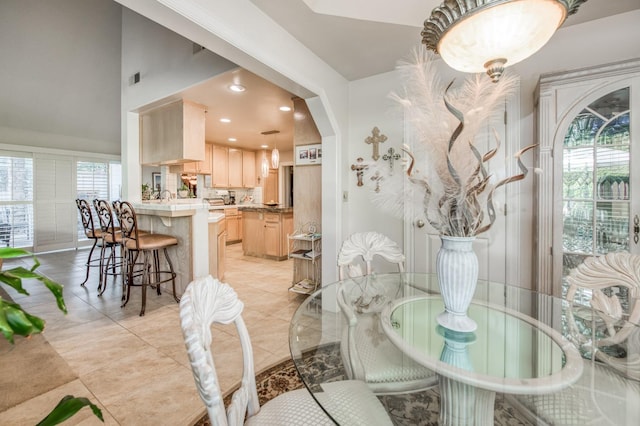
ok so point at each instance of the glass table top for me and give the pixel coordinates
(518, 347)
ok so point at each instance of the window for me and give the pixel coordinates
(16, 200)
(100, 180)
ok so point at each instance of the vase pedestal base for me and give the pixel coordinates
(456, 322)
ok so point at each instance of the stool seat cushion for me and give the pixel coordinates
(151, 242)
(93, 233)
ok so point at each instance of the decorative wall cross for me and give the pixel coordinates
(359, 169)
(375, 139)
(391, 156)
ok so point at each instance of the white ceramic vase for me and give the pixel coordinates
(457, 270)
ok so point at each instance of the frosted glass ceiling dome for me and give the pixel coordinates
(489, 35)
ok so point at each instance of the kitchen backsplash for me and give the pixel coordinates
(242, 195)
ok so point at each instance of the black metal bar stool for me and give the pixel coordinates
(111, 239)
(93, 234)
(148, 245)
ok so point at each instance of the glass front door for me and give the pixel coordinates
(597, 189)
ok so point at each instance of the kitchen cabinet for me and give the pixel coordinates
(265, 233)
(248, 169)
(198, 167)
(172, 134)
(234, 227)
(220, 173)
(217, 248)
(270, 187)
(235, 168)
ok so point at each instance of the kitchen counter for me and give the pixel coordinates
(264, 209)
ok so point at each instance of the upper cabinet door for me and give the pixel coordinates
(588, 196)
(235, 168)
(248, 169)
(220, 173)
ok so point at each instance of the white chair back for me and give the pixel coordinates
(207, 301)
(365, 246)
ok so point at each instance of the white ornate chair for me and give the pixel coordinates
(207, 301)
(367, 353)
(603, 321)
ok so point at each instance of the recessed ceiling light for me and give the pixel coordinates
(232, 139)
(285, 108)
(225, 120)
(264, 146)
(237, 88)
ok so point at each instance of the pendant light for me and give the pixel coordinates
(275, 154)
(489, 35)
(264, 167)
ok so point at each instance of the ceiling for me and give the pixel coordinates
(251, 112)
(358, 38)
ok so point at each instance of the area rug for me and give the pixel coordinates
(30, 368)
(419, 408)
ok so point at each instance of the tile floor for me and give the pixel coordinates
(136, 368)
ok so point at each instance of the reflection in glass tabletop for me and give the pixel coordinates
(518, 351)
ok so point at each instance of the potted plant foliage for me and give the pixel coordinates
(16, 321)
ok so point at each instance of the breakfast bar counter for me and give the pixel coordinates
(188, 221)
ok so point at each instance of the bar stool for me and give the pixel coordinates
(148, 245)
(112, 239)
(91, 233)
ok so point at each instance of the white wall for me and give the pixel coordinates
(60, 74)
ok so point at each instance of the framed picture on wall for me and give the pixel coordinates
(156, 179)
(306, 155)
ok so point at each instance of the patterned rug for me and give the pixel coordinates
(419, 408)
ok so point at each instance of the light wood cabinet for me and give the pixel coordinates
(248, 169)
(253, 231)
(198, 167)
(265, 234)
(234, 227)
(272, 234)
(220, 173)
(172, 134)
(270, 188)
(235, 168)
(217, 248)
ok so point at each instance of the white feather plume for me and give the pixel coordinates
(440, 172)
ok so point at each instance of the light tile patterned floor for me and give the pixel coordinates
(136, 368)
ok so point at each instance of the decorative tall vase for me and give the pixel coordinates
(457, 270)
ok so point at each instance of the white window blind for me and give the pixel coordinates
(92, 181)
(16, 200)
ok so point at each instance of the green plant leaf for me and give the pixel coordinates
(14, 320)
(10, 252)
(67, 407)
(13, 277)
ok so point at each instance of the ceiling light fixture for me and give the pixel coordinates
(237, 88)
(285, 108)
(478, 35)
(225, 120)
(232, 139)
(275, 154)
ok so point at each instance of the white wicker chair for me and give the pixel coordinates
(207, 301)
(608, 393)
(367, 353)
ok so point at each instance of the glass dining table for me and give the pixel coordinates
(502, 373)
